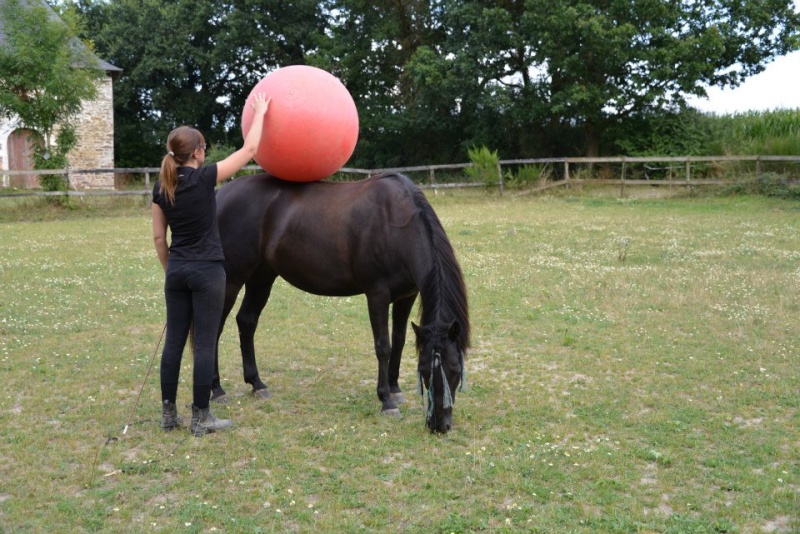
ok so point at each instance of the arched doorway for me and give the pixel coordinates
(21, 143)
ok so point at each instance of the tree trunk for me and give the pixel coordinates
(592, 139)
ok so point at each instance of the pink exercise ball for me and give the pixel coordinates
(311, 128)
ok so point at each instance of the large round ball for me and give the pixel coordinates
(311, 128)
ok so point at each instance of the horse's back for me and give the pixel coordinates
(258, 191)
(318, 207)
(333, 238)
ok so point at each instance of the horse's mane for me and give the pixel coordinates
(443, 293)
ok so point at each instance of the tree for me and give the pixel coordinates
(372, 44)
(432, 78)
(525, 75)
(602, 61)
(482, 71)
(45, 75)
(193, 62)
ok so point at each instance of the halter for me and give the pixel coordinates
(447, 401)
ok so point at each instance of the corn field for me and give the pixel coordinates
(774, 133)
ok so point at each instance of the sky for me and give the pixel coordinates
(777, 87)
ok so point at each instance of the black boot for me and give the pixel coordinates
(204, 422)
(170, 420)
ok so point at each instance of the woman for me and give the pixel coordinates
(194, 283)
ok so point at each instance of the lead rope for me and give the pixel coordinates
(112, 439)
(421, 388)
(447, 401)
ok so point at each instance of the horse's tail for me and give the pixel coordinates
(443, 288)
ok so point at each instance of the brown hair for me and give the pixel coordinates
(181, 144)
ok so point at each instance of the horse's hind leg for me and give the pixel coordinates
(231, 292)
(401, 310)
(256, 294)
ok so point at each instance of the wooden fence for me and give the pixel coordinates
(564, 172)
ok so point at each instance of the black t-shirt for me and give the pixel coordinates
(193, 218)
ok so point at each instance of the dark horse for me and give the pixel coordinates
(378, 237)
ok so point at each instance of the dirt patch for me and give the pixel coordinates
(779, 525)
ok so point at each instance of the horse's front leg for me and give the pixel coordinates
(256, 295)
(401, 310)
(378, 305)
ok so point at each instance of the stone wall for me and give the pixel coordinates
(95, 149)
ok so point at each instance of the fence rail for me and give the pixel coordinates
(566, 175)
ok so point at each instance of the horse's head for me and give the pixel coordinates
(441, 369)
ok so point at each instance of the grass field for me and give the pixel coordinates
(635, 368)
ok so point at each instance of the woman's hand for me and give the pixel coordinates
(260, 103)
(230, 165)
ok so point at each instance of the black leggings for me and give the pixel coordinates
(194, 292)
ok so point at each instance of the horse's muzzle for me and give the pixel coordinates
(441, 425)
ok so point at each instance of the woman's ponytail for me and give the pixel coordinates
(169, 177)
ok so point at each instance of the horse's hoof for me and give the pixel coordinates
(393, 412)
(398, 397)
(262, 394)
(222, 399)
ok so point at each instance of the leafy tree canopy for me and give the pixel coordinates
(602, 61)
(432, 78)
(46, 74)
(193, 62)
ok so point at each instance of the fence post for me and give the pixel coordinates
(566, 171)
(622, 187)
(433, 182)
(758, 168)
(500, 178)
(669, 177)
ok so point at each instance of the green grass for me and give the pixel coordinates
(28, 208)
(634, 368)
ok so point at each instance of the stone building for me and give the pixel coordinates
(94, 128)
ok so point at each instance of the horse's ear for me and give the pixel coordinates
(454, 330)
(417, 329)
